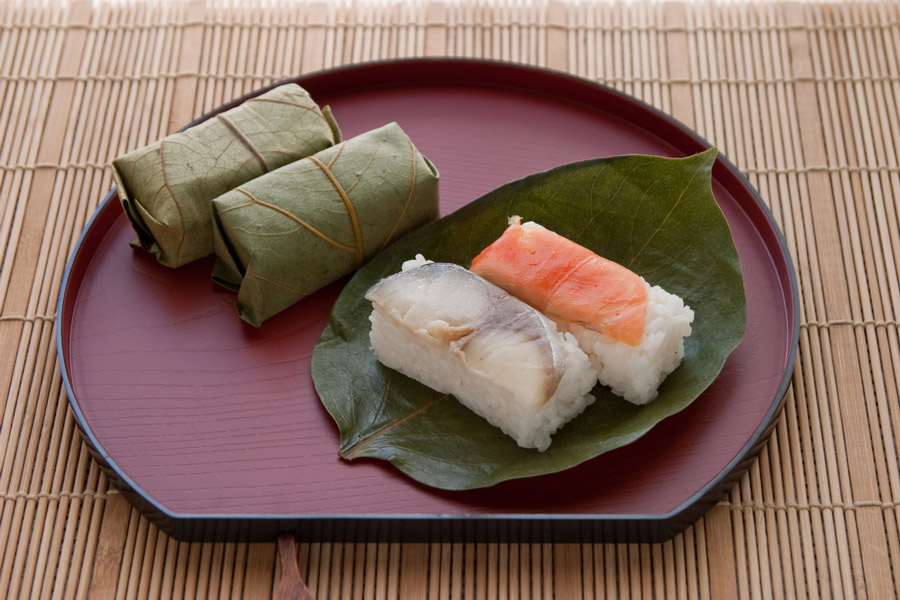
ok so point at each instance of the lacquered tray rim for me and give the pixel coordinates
(744, 454)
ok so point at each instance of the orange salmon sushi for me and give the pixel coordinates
(633, 332)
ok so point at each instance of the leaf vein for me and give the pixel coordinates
(412, 188)
(165, 177)
(351, 211)
(240, 135)
(666, 218)
(297, 220)
(252, 273)
(355, 450)
(312, 109)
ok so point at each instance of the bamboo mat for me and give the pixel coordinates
(803, 97)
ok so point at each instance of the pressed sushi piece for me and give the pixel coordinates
(636, 372)
(566, 281)
(633, 332)
(451, 330)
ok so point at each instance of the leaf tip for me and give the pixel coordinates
(709, 155)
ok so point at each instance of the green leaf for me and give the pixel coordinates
(655, 215)
(166, 187)
(293, 231)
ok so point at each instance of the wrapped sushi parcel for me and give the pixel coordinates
(166, 188)
(523, 337)
(282, 236)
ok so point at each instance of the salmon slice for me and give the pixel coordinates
(566, 281)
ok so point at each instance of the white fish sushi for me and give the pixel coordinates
(451, 330)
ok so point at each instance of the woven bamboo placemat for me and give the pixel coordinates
(803, 97)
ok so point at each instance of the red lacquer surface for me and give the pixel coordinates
(207, 415)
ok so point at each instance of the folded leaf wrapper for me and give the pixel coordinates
(293, 231)
(166, 188)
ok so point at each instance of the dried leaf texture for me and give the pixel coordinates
(293, 231)
(166, 188)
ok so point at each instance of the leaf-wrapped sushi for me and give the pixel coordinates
(166, 188)
(293, 231)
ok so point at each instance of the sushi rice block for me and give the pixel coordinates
(633, 332)
(451, 330)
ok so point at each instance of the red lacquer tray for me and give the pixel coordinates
(212, 428)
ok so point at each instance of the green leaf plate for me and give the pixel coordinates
(655, 215)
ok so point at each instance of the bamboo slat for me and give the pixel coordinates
(803, 97)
